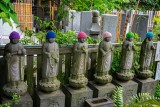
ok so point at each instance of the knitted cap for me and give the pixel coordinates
(82, 35)
(50, 34)
(14, 35)
(130, 35)
(107, 35)
(149, 34)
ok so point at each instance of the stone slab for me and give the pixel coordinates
(25, 101)
(99, 102)
(129, 89)
(53, 99)
(101, 90)
(109, 23)
(76, 21)
(140, 25)
(146, 85)
(76, 97)
(86, 20)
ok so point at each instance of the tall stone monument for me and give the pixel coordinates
(109, 23)
(95, 27)
(50, 94)
(143, 73)
(125, 75)
(14, 59)
(103, 86)
(85, 21)
(77, 91)
(140, 25)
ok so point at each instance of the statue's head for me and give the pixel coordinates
(130, 36)
(149, 35)
(107, 36)
(50, 37)
(14, 37)
(82, 37)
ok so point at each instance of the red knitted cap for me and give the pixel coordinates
(82, 35)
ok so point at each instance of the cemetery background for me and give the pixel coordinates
(64, 37)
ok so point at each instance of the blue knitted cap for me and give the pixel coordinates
(50, 34)
(149, 34)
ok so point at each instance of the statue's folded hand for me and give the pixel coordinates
(8, 55)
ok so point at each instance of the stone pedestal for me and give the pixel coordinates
(129, 89)
(146, 85)
(101, 90)
(99, 102)
(25, 101)
(76, 97)
(53, 99)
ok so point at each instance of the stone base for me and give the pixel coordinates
(146, 85)
(99, 102)
(129, 89)
(76, 97)
(101, 90)
(53, 99)
(25, 101)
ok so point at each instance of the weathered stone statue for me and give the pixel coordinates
(127, 58)
(14, 56)
(147, 49)
(77, 77)
(104, 60)
(50, 51)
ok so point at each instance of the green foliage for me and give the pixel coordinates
(143, 100)
(7, 12)
(156, 28)
(116, 60)
(15, 99)
(118, 97)
(157, 93)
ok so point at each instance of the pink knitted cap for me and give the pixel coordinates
(82, 35)
(107, 35)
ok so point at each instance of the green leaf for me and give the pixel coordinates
(14, 17)
(3, 7)
(6, 1)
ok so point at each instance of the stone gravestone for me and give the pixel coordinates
(76, 21)
(69, 20)
(109, 23)
(85, 22)
(157, 77)
(123, 22)
(140, 25)
(157, 58)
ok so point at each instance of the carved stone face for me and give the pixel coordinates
(14, 41)
(51, 40)
(130, 39)
(107, 39)
(82, 40)
(149, 38)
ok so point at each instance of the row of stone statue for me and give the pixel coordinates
(14, 57)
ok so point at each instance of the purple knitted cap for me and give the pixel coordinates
(14, 35)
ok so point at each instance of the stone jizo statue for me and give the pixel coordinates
(50, 59)
(104, 60)
(14, 56)
(127, 58)
(146, 54)
(77, 77)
